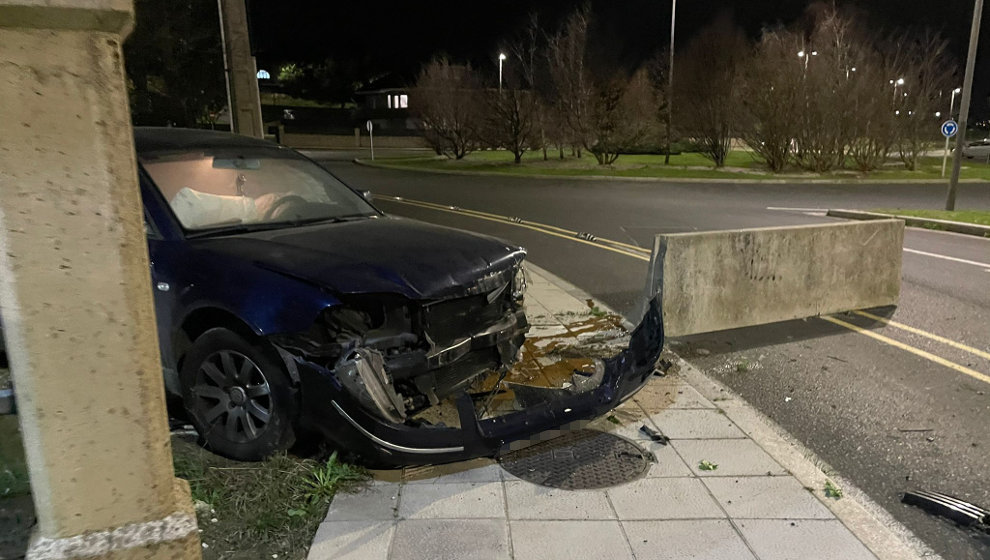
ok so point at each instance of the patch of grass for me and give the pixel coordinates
(981, 217)
(740, 164)
(707, 465)
(611, 418)
(832, 491)
(742, 367)
(597, 312)
(14, 479)
(255, 510)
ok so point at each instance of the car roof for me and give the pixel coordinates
(157, 139)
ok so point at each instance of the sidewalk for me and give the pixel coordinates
(749, 507)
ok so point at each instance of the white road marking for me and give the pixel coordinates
(797, 209)
(937, 256)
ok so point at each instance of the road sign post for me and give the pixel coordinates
(949, 129)
(371, 135)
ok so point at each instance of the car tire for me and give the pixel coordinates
(238, 396)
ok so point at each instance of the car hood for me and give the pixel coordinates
(374, 255)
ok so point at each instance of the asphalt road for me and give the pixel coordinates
(881, 415)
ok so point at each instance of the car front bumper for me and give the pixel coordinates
(335, 413)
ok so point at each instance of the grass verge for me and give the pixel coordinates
(980, 217)
(260, 510)
(740, 165)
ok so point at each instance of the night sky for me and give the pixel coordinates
(396, 38)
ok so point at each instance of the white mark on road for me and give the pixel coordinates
(797, 209)
(948, 258)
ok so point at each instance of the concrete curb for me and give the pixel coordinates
(945, 225)
(870, 523)
(366, 163)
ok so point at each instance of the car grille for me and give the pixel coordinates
(447, 321)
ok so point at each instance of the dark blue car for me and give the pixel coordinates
(286, 302)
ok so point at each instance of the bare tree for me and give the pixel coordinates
(513, 111)
(447, 103)
(572, 88)
(705, 84)
(927, 71)
(769, 89)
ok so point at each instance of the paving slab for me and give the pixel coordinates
(376, 502)
(695, 424)
(659, 396)
(664, 498)
(734, 457)
(352, 540)
(668, 462)
(689, 539)
(766, 497)
(530, 501)
(477, 470)
(803, 540)
(451, 539)
(458, 500)
(569, 540)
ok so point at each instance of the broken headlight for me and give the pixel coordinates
(519, 283)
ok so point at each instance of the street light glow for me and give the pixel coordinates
(957, 90)
(900, 81)
(938, 114)
(501, 56)
(853, 68)
(800, 54)
(814, 53)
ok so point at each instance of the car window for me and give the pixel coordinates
(214, 188)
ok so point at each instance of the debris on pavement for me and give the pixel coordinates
(654, 435)
(832, 491)
(611, 418)
(706, 465)
(963, 513)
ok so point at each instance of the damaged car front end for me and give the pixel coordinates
(362, 406)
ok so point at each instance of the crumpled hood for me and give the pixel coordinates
(377, 255)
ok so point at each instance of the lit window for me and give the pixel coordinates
(403, 101)
(389, 101)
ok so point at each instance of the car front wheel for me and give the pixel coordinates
(238, 396)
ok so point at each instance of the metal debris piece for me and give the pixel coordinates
(654, 435)
(963, 513)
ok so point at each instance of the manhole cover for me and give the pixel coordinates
(578, 460)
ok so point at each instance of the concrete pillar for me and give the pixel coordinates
(242, 71)
(75, 291)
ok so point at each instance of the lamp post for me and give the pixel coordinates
(670, 80)
(952, 103)
(501, 58)
(967, 91)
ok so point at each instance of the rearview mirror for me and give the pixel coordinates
(236, 163)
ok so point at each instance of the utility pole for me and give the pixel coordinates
(974, 38)
(240, 69)
(670, 82)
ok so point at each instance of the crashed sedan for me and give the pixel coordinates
(288, 304)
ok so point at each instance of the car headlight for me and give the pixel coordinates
(519, 283)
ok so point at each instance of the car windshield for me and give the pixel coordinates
(209, 189)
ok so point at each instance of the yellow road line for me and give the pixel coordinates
(527, 226)
(572, 236)
(935, 337)
(508, 219)
(907, 348)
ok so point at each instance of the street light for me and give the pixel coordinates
(952, 105)
(897, 82)
(501, 58)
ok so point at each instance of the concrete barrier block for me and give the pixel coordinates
(728, 279)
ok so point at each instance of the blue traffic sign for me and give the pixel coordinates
(950, 128)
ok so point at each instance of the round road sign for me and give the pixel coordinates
(949, 128)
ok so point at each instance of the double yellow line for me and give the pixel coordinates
(643, 254)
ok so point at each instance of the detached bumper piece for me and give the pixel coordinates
(333, 410)
(963, 513)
